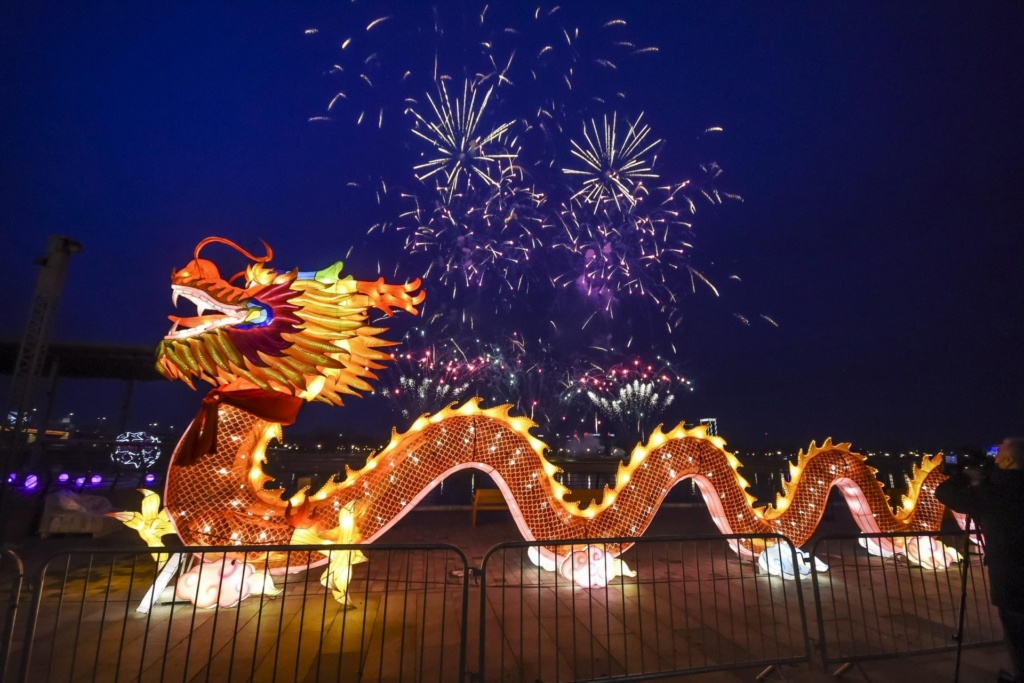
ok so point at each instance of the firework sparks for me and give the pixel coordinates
(479, 237)
(634, 407)
(632, 395)
(643, 253)
(524, 379)
(426, 379)
(463, 152)
(614, 165)
(507, 202)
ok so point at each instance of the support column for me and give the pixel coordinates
(126, 402)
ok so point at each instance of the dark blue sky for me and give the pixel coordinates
(879, 150)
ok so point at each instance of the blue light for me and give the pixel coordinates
(262, 319)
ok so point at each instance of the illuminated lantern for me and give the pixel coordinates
(216, 584)
(137, 450)
(278, 338)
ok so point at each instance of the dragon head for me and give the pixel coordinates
(302, 333)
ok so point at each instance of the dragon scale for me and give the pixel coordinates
(395, 480)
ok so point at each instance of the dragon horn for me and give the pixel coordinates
(224, 240)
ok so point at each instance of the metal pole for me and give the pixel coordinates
(959, 635)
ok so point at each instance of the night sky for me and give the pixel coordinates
(879, 151)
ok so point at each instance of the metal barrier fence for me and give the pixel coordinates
(693, 606)
(872, 607)
(12, 573)
(405, 621)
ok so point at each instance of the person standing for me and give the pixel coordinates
(994, 499)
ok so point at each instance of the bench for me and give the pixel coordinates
(487, 499)
(494, 499)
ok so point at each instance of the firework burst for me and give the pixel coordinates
(426, 379)
(478, 237)
(504, 197)
(632, 395)
(615, 164)
(526, 378)
(633, 408)
(465, 153)
(642, 253)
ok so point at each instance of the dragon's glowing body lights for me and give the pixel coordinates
(309, 340)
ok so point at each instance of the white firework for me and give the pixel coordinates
(427, 394)
(615, 166)
(463, 154)
(634, 408)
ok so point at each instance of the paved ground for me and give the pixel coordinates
(977, 664)
(728, 613)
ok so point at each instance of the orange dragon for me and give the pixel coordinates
(283, 337)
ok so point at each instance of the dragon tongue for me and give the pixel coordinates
(194, 321)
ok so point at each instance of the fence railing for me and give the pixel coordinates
(692, 606)
(870, 606)
(421, 613)
(12, 573)
(405, 620)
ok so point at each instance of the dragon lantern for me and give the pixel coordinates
(279, 338)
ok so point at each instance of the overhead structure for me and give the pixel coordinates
(29, 364)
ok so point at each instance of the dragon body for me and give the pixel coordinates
(285, 337)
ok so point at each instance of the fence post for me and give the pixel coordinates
(819, 617)
(893, 598)
(800, 594)
(12, 610)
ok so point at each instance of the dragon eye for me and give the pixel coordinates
(257, 315)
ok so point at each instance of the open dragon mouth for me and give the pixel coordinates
(224, 314)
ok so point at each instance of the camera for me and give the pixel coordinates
(982, 461)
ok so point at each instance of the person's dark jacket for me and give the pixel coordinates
(997, 505)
